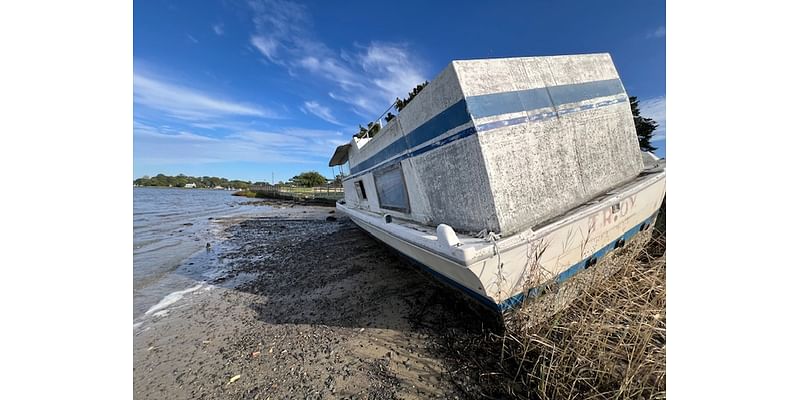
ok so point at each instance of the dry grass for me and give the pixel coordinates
(587, 338)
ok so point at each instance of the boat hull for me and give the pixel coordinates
(508, 270)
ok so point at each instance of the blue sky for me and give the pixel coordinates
(245, 89)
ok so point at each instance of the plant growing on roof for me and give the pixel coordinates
(373, 128)
(399, 104)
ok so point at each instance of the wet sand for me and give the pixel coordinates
(307, 308)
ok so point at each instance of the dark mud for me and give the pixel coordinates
(311, 308)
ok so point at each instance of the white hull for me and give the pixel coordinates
(499, 273)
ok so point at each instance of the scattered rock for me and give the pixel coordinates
(330, 218)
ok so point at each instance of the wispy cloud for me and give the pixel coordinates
(164, 145)
(266, 46)
(219, 29)
(190, 37)
(368, 78)
(656, 108)
(189, 103)
(314, 108)
(391, 69)
(659, 32)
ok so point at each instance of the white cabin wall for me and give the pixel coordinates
(440, 93)
(457, 187)
(440, 188)
(350, 195)
(372, 194)
(606, 141)
(544, 166)
(450, 181)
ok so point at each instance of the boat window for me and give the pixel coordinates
(391, 188)
(362, 194)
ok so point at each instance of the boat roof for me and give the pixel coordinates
(340, 155)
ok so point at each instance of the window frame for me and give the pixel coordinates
(378, 173)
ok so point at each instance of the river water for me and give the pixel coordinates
(171, 228)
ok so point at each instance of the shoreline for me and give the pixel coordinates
(304, 307)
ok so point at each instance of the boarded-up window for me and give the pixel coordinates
(391, 188)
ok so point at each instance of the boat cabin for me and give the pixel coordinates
(500, 145)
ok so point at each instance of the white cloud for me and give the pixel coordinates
(333, 70)
(192, 38)
(391, 69)
(660, 32)
(188, 103)
(163, 145)
(656, 108)
(369, 79)
(266, 46)
(219, 29)
(314, 108)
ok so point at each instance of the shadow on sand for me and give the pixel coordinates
(318, 272)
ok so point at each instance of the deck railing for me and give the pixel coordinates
(318, 192)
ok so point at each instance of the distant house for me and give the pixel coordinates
(190, 185)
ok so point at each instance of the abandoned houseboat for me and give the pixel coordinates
(503, 175)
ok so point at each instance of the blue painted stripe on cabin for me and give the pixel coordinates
(487, 105)
(494, 104)
(546, 115)
(456, 136)
(565, 94)
(452, 117)
(515, 301)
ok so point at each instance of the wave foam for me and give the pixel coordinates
(171, 298)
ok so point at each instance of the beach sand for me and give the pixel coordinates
(306, 308)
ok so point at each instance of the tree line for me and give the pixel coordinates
(305, 179)
(182, 180)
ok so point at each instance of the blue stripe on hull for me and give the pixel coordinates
(517, 300)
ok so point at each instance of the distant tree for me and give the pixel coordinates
(644, 126)
(337, 181)
(309, 179)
